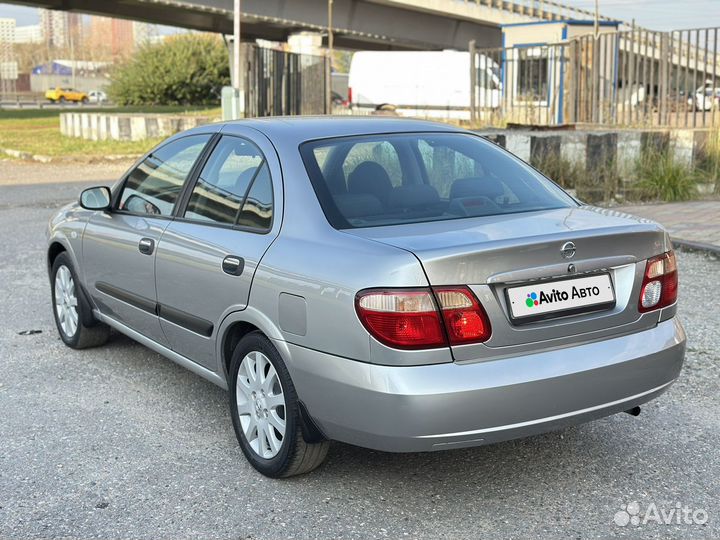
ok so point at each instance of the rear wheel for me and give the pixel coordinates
(84, 101)
(265, 411)
(62, 99)
(77, 326)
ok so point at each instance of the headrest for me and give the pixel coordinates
(369, 178)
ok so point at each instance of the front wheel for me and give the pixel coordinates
(265, 411)
(78, 329)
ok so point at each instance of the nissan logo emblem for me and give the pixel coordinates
(568, 250)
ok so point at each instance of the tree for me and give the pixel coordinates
(186, 69)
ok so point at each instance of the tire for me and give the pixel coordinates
(76, 324)
(62, 99)
(85, 101)
(262, 408)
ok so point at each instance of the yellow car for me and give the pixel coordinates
(63, 95)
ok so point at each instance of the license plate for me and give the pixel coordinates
(550, 298)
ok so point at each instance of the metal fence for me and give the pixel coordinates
(284, 83)
(630, 78)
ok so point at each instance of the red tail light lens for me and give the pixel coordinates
(464, 317)
(660, 283)
(410, 319)
(401, 319)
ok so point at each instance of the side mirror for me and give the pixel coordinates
(95, 198)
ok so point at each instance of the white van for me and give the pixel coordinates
(428, 83)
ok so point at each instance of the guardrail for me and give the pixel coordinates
(45, 104)
(548, 10)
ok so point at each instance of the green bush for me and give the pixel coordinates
(660, 177)
(187, 69)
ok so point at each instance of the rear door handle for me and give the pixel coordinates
(146, 246)
(233, 265)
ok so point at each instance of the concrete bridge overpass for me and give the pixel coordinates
(357, 24)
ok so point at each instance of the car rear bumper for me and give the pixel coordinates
(453, 405)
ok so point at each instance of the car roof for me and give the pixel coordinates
(298, 129)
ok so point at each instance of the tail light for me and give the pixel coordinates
(660, 283)
(349, 94)
(423, 318)
(465, 319)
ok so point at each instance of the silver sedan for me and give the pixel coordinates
(399, 285)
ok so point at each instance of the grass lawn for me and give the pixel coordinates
(38, 132)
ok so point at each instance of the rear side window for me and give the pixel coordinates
(234, 187)
(418, 177)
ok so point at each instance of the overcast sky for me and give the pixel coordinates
(654, 14)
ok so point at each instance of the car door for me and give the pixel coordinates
(119, 246)
(207, 256)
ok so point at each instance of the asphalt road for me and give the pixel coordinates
(118, 442)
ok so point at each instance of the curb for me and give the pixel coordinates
(25, 155)
(688, 245)
(39, 158)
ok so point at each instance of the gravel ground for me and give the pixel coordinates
(118, 442)
(13, 172)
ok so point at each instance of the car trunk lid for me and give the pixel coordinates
(494, 254)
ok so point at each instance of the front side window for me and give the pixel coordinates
(234, 187)
(442, 176)
(153, 186)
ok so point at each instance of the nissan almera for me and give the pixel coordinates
(398, 285)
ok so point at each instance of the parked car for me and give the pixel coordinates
(421, 83)
(62, 95)
(97, 96)
(394, 284)
(705, 98)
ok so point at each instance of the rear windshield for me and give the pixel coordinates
(378, 180)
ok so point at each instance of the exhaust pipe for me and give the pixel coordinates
(635, 411)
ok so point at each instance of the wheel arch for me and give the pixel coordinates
(57, 244)
(54, 249)
(57, 247)
(232, 336)
(237, 325)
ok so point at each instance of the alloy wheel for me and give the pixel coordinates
(261, 405)
(66, 301)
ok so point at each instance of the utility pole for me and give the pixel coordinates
(328, 62)
(236, 47)
(238, 67)
(597, 18)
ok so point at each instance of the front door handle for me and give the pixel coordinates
(146, 246)
(233, 265)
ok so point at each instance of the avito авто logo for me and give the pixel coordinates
(535, 299)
